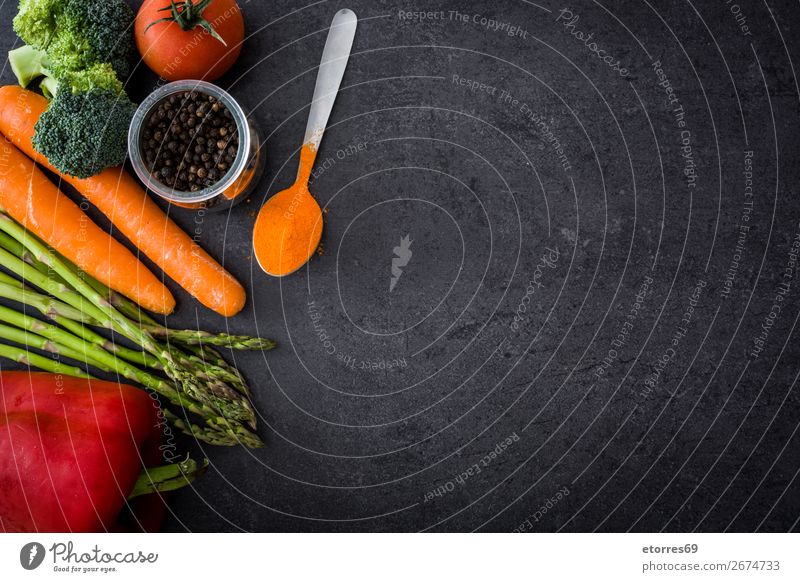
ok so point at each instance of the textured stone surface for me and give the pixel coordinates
(532, 270)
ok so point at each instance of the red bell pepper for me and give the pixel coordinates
(71, 454)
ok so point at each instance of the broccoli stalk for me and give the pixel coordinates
(49, 86)
(27, 63)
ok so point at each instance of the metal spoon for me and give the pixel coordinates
(289, 225)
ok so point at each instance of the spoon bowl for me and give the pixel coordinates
(292, 220)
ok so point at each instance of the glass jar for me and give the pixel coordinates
(240, 179)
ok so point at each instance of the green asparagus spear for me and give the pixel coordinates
(23, 356)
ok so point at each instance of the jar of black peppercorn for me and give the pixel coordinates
(191, 143)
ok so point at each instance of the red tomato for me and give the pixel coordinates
(183, 48)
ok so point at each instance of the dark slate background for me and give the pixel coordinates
(381, 409)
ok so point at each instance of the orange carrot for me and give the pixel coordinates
(34, 201)
(124, 201)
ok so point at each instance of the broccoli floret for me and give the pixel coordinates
(35, 21)
(100, 76)
(77, 34)
(85, 129)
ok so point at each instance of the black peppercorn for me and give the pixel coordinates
(189, 141)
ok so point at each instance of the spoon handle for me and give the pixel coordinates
(329, 76)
